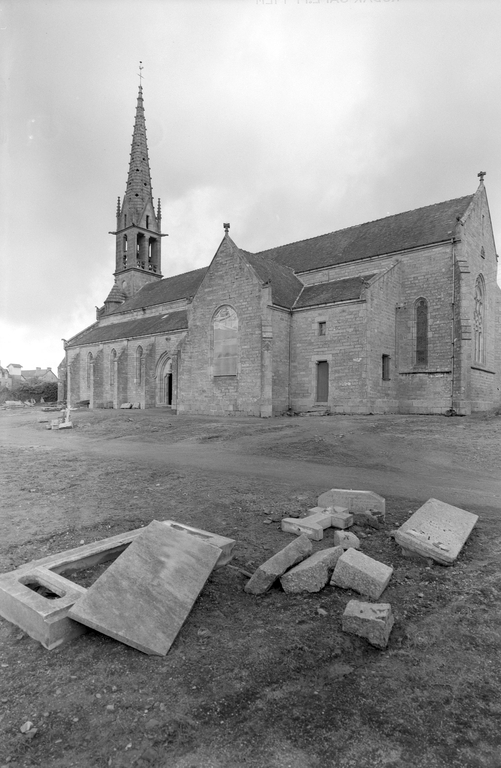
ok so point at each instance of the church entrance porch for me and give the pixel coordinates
(164, 382)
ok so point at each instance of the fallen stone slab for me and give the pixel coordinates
(23, 599)
(354, 501)
(345, 539)
(301, 527)
(146, 594)
(136, 405)
(437, 531)
(126, 405)
(340, 517)
(66, 425)
(357, 571)
(374, 621)
(313, 573)
(267, 573)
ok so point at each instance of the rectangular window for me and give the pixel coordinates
(322, 327)
(385, 367)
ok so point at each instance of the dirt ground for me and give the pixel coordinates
(257, 682)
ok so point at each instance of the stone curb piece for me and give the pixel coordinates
(267, 573)
(374, 621)
(313, 573)
(437, 531)
(302, 527)
(357, 571)
(345, 539)
(355, 501)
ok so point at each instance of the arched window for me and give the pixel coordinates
(478, 321)
(421, 324)
(225, 342)
(139, 365)
(113, 361)
(90, 362)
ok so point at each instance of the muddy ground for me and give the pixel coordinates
(257, 682)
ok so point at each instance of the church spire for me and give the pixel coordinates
(138, 234)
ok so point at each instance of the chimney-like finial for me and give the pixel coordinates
(481, 176)
(226, 228)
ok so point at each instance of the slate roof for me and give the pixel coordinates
(329, 293)
(145, 326)
(38, 373)
(162, 291)
(285, 286)
(422, 226)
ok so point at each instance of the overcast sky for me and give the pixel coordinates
(287, 118)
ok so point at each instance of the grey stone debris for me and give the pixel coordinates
(313, 573)
(374, 621)
(345, 539)
(267, 573)
(357, 571)
(355, 501)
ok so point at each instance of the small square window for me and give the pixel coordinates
(385, 367)
(322, 327)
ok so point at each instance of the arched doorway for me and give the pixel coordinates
(164, 381)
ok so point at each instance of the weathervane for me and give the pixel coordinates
(481, 175)
(141, 73)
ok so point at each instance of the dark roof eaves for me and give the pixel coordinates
(127, 338)
(358, 300)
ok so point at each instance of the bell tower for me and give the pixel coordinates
(138, 233)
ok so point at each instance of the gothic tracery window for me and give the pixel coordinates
(478, 321)
(421, 332)
(225, 341)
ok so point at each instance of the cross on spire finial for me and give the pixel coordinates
(481, 176)
(226, 228)
(141, 73)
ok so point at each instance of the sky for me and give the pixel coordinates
(286, 118)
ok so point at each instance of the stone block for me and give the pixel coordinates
(66, 425)
(126, 405)
(374, 621)
(322, 517)
(345, 539)
(437, 531)
(313, 573)
(354, 501)
(146, 594)
(340, 517)
(357, 571)
(267, 573)
(300, 527)
(136, 405)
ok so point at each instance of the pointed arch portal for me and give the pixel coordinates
(164, 381)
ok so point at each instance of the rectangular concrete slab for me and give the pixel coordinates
(46, 619)
(354, 501)
(145, 596)
(437, 531)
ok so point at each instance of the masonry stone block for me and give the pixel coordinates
(374, 621)
(345, 539)
(267, 573)
(313, 573)
(300, 527)
(357, 571)
(354, 501)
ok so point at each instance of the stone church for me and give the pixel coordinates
(398, 315)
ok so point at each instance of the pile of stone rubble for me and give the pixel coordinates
(436, 532)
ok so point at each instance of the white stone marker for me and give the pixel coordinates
(374, 621)
(340, 517)
(437, 530)
(354, 570)
(345, 539)
(301, 526)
